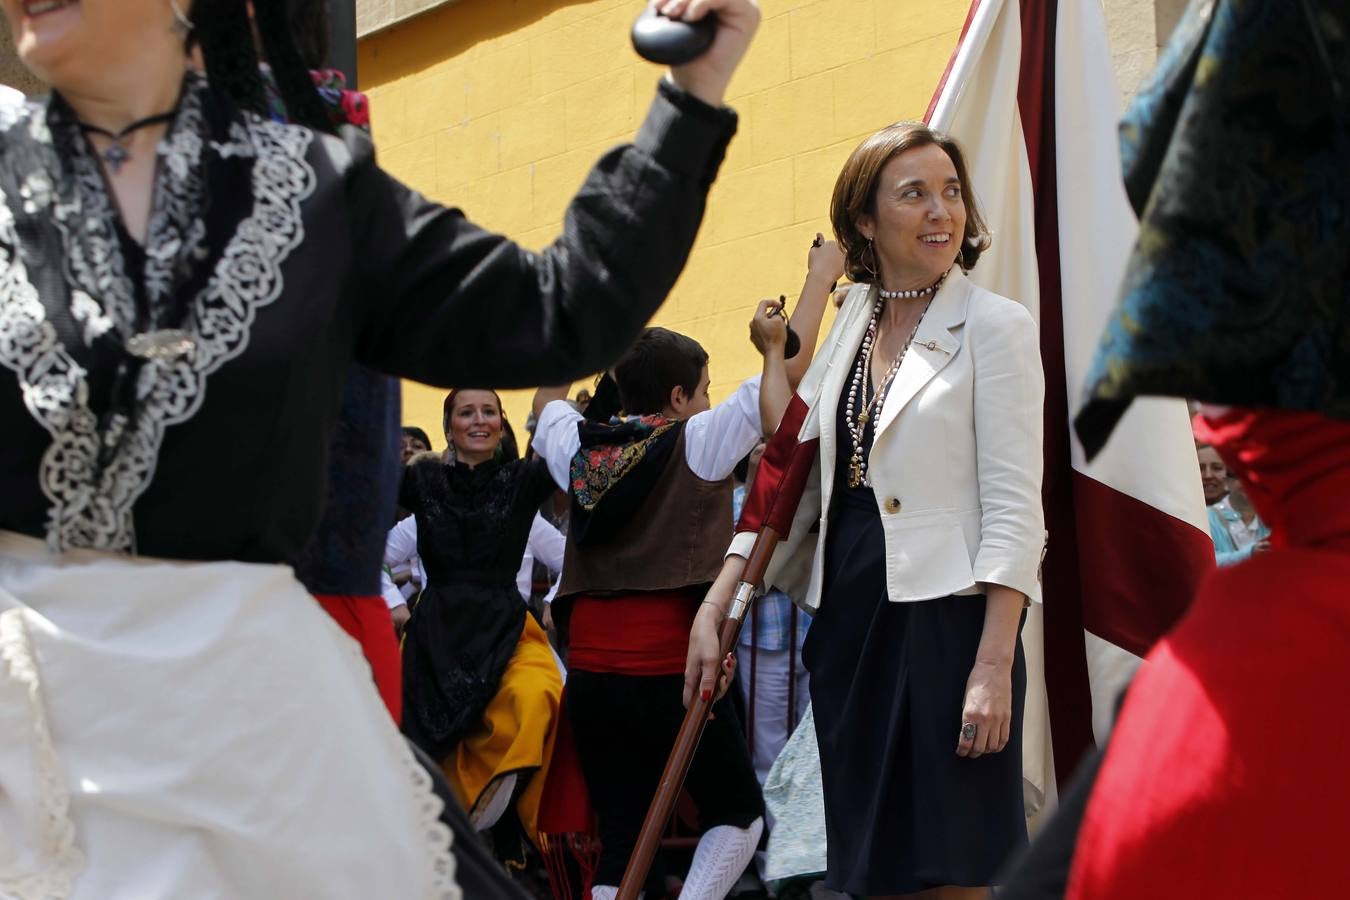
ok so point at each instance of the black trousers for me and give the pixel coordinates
(625, 727)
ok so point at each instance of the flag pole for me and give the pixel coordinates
(695, 719)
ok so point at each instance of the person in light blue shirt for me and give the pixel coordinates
(768, 657)
(1235, 537)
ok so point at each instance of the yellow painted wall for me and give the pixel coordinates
(501, 106)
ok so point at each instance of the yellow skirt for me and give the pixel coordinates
(515, 736)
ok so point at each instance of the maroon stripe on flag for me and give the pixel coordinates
(799, 469)
(1146, 565)
(951, 61)
(781, 477)
(1066, 675)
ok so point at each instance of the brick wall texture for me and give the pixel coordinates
(12, 72)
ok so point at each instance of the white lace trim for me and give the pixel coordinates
(437, 836)
(88, 209)
(61, 859)
(439, 859)
(86, 514)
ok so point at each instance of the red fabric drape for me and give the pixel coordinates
(367, 620)
(1224, 776)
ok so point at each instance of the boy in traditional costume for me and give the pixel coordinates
(651, 517)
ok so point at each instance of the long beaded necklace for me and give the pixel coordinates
(857, 424)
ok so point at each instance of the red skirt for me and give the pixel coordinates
(367, 620)
(1225, 775)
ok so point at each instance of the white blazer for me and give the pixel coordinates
(956, 463)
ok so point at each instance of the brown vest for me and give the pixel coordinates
(676, 540)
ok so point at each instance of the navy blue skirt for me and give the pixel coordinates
(903, 812)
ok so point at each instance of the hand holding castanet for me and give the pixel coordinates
(825, 260)
(672, 42)
(768, 328)
(793, 345)
(672, 29)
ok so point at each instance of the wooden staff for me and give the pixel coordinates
(695, 719)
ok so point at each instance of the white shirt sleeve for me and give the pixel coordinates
(557, 441)
(547, 543)
(400, 546)
(525, 577)
(400, 549)
(389, 591)
(715, 440)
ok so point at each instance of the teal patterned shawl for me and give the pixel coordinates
(1237, 161)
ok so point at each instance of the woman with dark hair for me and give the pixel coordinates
(480, 684)
(415, 441)
(184, 285)
(926, 397)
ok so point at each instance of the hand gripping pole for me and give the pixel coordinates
(695, 719)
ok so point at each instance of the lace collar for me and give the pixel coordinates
(66, 292)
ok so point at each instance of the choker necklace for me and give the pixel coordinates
(118, 153)
(910, 295)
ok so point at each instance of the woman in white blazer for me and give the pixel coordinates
(928, 529)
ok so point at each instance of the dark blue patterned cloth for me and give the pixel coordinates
(1237, 161)
(364, 459)
(364, 472)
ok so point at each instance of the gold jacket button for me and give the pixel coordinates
(892, 505)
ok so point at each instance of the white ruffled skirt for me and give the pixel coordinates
(196, 730)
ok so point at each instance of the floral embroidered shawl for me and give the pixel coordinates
(615, 469)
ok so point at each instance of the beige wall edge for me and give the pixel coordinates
(376, 15)
(12, 72)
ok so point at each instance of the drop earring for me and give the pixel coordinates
(872, 269)
(182, 25)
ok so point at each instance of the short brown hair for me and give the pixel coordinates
(855, 193)
(659, 361)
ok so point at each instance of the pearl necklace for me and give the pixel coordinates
(911, 295)
(857, 425)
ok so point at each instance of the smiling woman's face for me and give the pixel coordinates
(1213, 475)
(65, 41)
(920, 215)
(475, 425)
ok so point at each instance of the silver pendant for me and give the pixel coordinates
(115, 155)
(163, 343)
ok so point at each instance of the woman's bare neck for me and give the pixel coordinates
(115, 98)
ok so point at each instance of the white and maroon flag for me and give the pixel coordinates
(1030, 95)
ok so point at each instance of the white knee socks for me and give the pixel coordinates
(722, 855)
